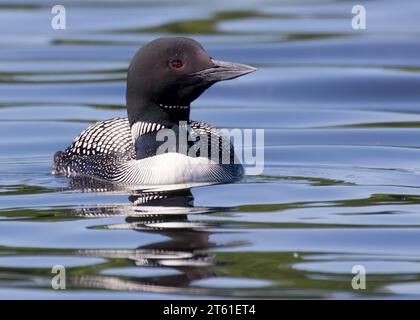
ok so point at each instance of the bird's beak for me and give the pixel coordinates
(223, 70)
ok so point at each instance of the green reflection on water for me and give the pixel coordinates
(199, 26)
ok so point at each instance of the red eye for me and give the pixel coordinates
(176, 64)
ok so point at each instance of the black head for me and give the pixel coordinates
(167, 74)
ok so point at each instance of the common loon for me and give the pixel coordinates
(164, 77)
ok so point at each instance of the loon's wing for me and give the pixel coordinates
(97, 151)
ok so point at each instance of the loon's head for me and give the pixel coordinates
(167, 74)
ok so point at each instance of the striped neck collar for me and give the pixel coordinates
(164, 106)
(140, 128)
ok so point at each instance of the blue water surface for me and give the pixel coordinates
(340, 109)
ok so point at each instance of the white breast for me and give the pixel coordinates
(171, 168)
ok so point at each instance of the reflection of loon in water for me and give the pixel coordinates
(163, 212)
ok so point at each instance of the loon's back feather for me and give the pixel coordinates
(108, 137)
(106, 151)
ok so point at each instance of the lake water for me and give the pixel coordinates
(341, 184)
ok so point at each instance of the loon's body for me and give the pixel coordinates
(163, 79)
